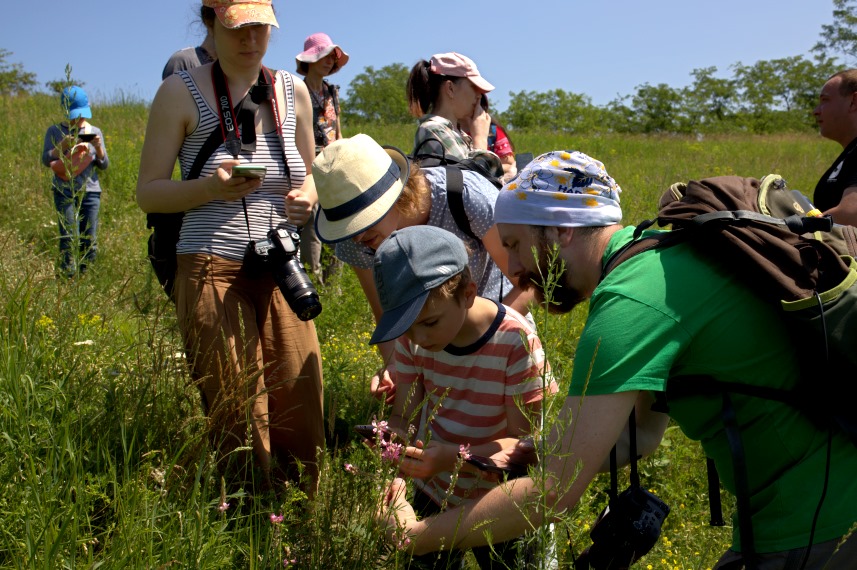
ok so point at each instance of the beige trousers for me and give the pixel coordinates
(258, 367)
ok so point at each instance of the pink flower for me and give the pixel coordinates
(404, 543)
(464, 451)
(350, 468)
(223, 506)
(287, 562)
(379, 427)
(276, 519)
(391, 451)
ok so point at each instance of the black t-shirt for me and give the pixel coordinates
(842, 174)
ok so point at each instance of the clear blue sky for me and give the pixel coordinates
(600, 48)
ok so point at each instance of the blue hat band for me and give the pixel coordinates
(364, 199)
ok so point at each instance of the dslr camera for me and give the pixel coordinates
(626, 530)
(278, 255)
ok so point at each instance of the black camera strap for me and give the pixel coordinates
(244, 114)
(632, 451)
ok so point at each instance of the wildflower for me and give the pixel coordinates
(45, 323)
(464, 451)
(223, 506)
(276, 519)
(379, 427)
(404, 543)
(350, 468)
(391, 451)
(87, 342)
(287, 562)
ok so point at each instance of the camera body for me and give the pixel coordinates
(278, 255)
(625, 531)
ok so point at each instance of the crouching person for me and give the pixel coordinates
(471, 374)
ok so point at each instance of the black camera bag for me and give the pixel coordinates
(629, 527)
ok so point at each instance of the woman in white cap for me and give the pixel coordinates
(367, 191)
(444, 94)
(256, 362)
(320, 58)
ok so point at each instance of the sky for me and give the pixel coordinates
(603, 49)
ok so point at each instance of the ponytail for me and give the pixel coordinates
(424, 88)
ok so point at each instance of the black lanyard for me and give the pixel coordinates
(262, 90)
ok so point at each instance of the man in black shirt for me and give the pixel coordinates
(836, 114)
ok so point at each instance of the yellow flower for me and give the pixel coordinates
(45, 323)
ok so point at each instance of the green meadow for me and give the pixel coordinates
(104, 461)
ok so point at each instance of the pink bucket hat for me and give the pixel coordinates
(457, 65)
(237, 13)
(316, 47)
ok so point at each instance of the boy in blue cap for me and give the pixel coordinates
(471, 371)
(75, 151)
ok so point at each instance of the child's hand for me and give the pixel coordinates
(396, 515)
(382, 385)
(423, 462)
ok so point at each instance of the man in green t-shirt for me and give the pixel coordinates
(662, 314)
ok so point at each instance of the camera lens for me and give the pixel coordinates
(298, 290)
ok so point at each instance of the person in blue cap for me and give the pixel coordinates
(471, 373)
(74, 150)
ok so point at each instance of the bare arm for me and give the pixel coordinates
(170, 119)
(845, 212)
(517, 298)
(382, 384)
(650, 428)
(300, 201)
(585, 432)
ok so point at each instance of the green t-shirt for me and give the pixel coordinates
(648, 327)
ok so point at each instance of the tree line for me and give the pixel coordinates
(769, 96)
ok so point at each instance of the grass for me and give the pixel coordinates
(104, 461)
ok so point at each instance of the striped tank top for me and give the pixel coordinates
(219, 227)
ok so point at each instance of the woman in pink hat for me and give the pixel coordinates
(320, 58)
(444, 93)
(255, 360)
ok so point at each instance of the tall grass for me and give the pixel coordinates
(104, 461)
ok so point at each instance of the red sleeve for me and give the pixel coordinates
(502, 146)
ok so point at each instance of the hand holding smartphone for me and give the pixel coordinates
(368, 432)
(249, 170)
(503, 468)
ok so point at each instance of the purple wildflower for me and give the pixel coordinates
(391, 451)
(464, 451)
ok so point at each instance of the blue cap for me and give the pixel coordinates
(407, 266)
(76, 103)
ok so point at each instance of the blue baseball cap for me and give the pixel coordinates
(407, 266)
(76, 103)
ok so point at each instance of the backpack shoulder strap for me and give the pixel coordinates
(455, 199)
(334, 96)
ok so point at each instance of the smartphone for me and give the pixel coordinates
(86, 137)
(510, 470)
(249, 170)
(368, 432)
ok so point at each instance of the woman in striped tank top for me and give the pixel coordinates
(252, 358)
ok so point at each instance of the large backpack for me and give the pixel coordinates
(790, 256)
(486, 165)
